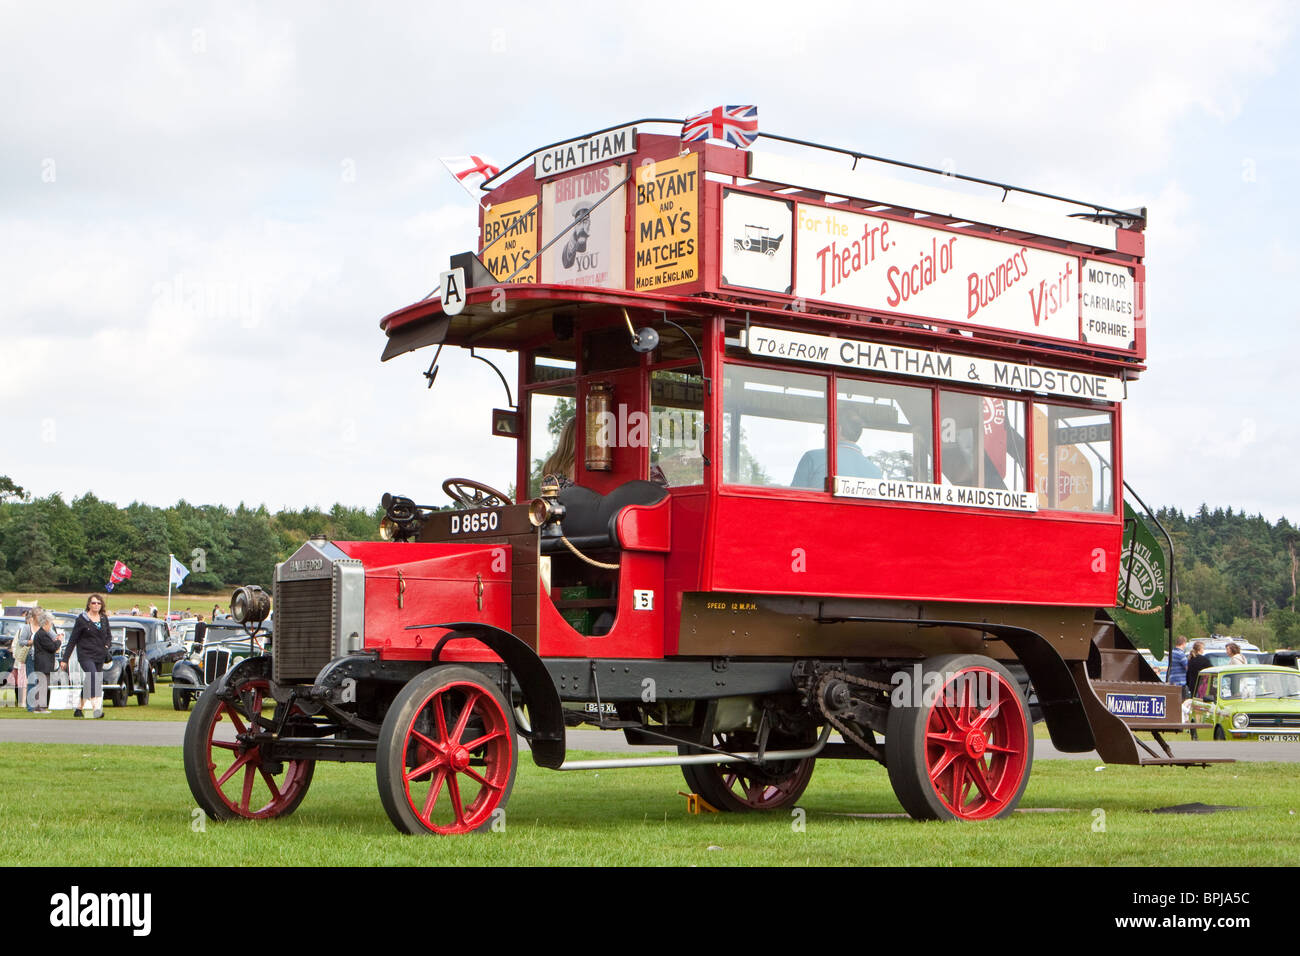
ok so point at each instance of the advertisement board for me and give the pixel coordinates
(591, 253)
(667, 223)
(885, 265)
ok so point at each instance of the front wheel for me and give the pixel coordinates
(180, 700)
(227, 771)
(959, 747)
(738, 787)
(446, 755)
(1218, 732)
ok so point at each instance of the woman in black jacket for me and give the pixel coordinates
(45, 656)
(92, 639)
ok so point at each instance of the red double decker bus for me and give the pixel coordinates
(818, 456)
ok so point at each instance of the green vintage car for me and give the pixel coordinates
(1249, 702)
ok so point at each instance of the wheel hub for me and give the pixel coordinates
(976, 744)
(458, 758)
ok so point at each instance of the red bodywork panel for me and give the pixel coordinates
(411, 584)
(848, 549)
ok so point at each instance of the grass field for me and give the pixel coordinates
(120, 602)
(133, 806)
(158, 708)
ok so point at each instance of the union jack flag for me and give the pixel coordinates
(470, 171)
(738, 125)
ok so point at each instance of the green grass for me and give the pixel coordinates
(120, 602)
(130, 806)
(158, 708)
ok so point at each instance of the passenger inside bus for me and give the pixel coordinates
(850, 461)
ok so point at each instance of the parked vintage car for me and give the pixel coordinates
(1249, 702)
(224, 645)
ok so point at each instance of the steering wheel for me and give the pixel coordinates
(474, 494)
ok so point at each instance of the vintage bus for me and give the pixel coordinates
(818, 456)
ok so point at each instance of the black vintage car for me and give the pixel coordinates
(225, 644)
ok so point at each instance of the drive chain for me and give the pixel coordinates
(847, 732)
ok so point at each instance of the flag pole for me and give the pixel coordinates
(170, 559)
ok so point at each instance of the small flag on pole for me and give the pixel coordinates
(119, 574)
(471, 172)
(738, 125)
(178, 572)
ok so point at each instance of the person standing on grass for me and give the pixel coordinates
(21, 649)
(45, 653)
(91, 638)
(1178, 664)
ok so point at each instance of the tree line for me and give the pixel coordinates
(50, 544)
(1234, 573)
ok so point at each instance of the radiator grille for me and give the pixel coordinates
(216, 661)
(303, 628)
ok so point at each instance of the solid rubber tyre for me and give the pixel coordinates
(739, 787)
(961, 749)
(212, 766)
(448, 735)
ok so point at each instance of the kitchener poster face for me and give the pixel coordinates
(592, 253)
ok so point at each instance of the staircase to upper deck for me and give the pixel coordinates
(1122, 694)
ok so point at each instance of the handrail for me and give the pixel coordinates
(486, 186)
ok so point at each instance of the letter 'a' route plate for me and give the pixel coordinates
(451, 287)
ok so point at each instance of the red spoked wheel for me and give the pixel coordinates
(446, 757)
(225, 765)
(960, 747)
(737, 787)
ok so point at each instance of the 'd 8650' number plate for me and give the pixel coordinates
(475, 522)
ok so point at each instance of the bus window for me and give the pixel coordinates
(897, 434)
(771, 420)
(676, 428)
(1073, 464)
(982, 441)
(550, 412)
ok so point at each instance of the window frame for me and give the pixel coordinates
(834, 376)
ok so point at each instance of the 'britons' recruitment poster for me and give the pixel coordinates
(592, 252)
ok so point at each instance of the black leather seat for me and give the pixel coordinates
(590, 519)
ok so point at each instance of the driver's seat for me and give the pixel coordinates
(590, 519)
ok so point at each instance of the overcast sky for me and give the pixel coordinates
(206, 208)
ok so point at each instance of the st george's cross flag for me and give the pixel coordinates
(738, 125)
(471, 172)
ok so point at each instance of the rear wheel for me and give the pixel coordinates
(446, 756)
(737, 787)
(960, 748)
(227, 770)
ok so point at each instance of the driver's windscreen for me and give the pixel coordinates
(551, 445)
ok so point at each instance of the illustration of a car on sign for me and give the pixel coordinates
(1249, 702)
(759, 239)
